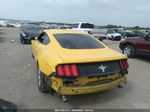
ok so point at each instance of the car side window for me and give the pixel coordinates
(40, 37)
(46, 39)
(43, 38)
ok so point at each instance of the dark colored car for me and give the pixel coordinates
(122, 32)
(28, 32)
(136, 45)
(113, 35)
(6, 106)
(136, 34)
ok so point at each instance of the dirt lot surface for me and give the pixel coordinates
(18, 81)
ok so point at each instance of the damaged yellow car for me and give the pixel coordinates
(71, 62)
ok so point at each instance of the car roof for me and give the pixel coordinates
(82, 22)
(36, 25)
(61, 31)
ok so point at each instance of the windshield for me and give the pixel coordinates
(110, 31)
(30, 27)
(87, 25)
(120, 31)
(77, 41)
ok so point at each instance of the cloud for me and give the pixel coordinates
(100, 12)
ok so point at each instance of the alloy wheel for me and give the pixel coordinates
(127, 51)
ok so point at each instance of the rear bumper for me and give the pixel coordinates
(67, 90)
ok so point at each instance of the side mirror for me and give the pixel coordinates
(35, 38)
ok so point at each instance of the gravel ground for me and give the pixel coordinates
(18, 81)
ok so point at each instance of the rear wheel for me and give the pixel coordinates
(32, 55)
(129, 50)
(43, 87)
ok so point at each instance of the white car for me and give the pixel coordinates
(89, 28)
(112, 35)
(3, 23)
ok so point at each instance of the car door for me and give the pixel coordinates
(143, 44)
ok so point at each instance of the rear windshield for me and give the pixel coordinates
(87, 25)
(77, 41)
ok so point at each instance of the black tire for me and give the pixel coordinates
(43, 87)
(22, 41)
(129, 50)
(109, 38)
(32, 55)
(29, 42)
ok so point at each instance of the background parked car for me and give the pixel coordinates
(28, 32)
(3, 23)
(136, 34)
(90, 29)
(11, 24)
(136, 45)
(122, 32)
(112, 35)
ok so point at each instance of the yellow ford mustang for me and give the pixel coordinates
(71, 62)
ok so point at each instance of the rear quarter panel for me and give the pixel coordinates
(48, 59)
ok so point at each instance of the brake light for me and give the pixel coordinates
(60, 71)
(74, 70)
(67, 70)
(124, 64)
(88, 31)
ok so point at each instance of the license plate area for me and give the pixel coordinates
(99, 69)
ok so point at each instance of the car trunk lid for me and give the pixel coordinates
(89, 55)
(97, 62)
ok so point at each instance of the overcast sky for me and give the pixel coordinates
(99, 12)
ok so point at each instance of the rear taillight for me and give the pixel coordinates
(123, 64)
(60, 70)
(67, 70)
(74, 70)
(88, 31)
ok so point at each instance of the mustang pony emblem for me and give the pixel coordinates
(102, 67)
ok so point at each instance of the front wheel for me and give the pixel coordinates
(23, 41)
(129, 50)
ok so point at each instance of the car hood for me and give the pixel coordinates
(89, 55)
(31, 33)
